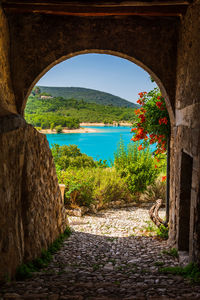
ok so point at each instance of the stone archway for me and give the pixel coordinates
(114, 53)
(41, 45)
(30, 42)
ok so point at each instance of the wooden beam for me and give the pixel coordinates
(84, 11)
(101, 3)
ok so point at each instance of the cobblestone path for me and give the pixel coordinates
(108, 256)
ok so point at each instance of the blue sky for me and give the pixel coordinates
(102, 72)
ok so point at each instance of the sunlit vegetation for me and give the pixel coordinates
(94, 182)
(51, 112)
(87, 95)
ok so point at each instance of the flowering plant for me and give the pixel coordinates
(152, 124)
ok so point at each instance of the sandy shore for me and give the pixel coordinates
(82, 129)
(65, 130)
(102, 124)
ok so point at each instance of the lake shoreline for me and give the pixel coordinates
(121, 124)
(84, 130)
(66, 130)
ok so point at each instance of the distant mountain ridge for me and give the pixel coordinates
(88, 95)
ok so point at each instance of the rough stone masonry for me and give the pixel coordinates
(164, 40)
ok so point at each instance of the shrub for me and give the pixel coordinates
(157, 190)
(71, 157)
(137, 167)
(58, 129)
(109, 186)
(152, 124)
(52, 126)
(79, 186)
(162, 232)
(88, 186)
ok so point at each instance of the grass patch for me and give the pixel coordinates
(191, 271)
(172, 252)
(25, 270)
(96, 267)
(150, 227)
(162, 232)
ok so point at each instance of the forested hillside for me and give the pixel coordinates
(88, 95)
(51, 112)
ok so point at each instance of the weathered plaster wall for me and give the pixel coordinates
(187, 132)
(7, 99)
(38, 42)
(32, 214)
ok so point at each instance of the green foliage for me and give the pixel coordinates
(172, 252)
(152, 124)
(157, 190)
(93, 185)
(25, 270)
(79, 187)
(52, 126)
(191, 271)
(162, 232)
(36, 90)
(150, 227)
(59, 129)
(70, 112)
(109, 186)
(87, 181)
(154, 114)
(86, 95)
(137, 167)
(71, 157)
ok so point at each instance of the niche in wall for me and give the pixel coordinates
(185, 201)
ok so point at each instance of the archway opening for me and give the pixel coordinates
(48, 95)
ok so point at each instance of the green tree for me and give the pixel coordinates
(52, 126)
(59, 129)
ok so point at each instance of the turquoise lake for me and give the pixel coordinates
(99, 145)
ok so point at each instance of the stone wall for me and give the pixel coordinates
(7, 99)
(187, 133)
(32, 213)
(38, 42)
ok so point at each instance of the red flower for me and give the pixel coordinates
(156, 166)
(142, 118)
(133, 129)
(140, 94)
(137, 111)
(140, 130)
(159, 104)
(140, 101)
(164, 178)
(140, 148)
(163, 121)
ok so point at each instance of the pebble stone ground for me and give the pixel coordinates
(111, 255)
